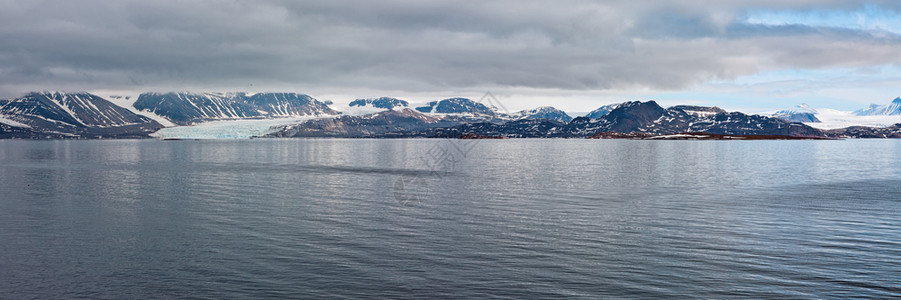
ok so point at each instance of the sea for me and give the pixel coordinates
(439, 218)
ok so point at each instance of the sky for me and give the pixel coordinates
(753, 56)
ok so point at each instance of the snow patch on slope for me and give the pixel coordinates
(127, 100)
(6, 120)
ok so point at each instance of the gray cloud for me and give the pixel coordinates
(414, 45)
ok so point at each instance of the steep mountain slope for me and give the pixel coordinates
(190, 108)
(602, 111)
(72, 115)
(283, 105)
(127, 100)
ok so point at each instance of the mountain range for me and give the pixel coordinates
(646, 117)
(85, 115)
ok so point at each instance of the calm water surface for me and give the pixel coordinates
(333, 218)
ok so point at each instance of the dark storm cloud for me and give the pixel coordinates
(413, 45)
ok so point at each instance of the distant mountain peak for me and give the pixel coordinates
(801, 113)
(457, 106)
(891, 109)
(543, 112)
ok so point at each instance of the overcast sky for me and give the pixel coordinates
(755, 55)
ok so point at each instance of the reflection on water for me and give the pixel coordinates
(515, 218)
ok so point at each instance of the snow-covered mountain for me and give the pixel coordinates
(543, 112)
(389, 123)
(602, 111)
(72, 115)
(891, 109)
(802, 113)
(456, 106)
(360, 107)
(382, 102)
(190, 108)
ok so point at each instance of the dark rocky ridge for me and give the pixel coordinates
(696, 136)
(383, 102)
(893, 131)
(525, 128)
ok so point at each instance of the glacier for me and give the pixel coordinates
(229, 129)
(835, 119)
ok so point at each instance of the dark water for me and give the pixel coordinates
(415, 219)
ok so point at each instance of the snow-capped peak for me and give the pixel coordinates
(802, 113)
(543, 112)
(801, 108)
(892, 109)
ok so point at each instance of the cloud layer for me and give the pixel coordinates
(422, 45)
